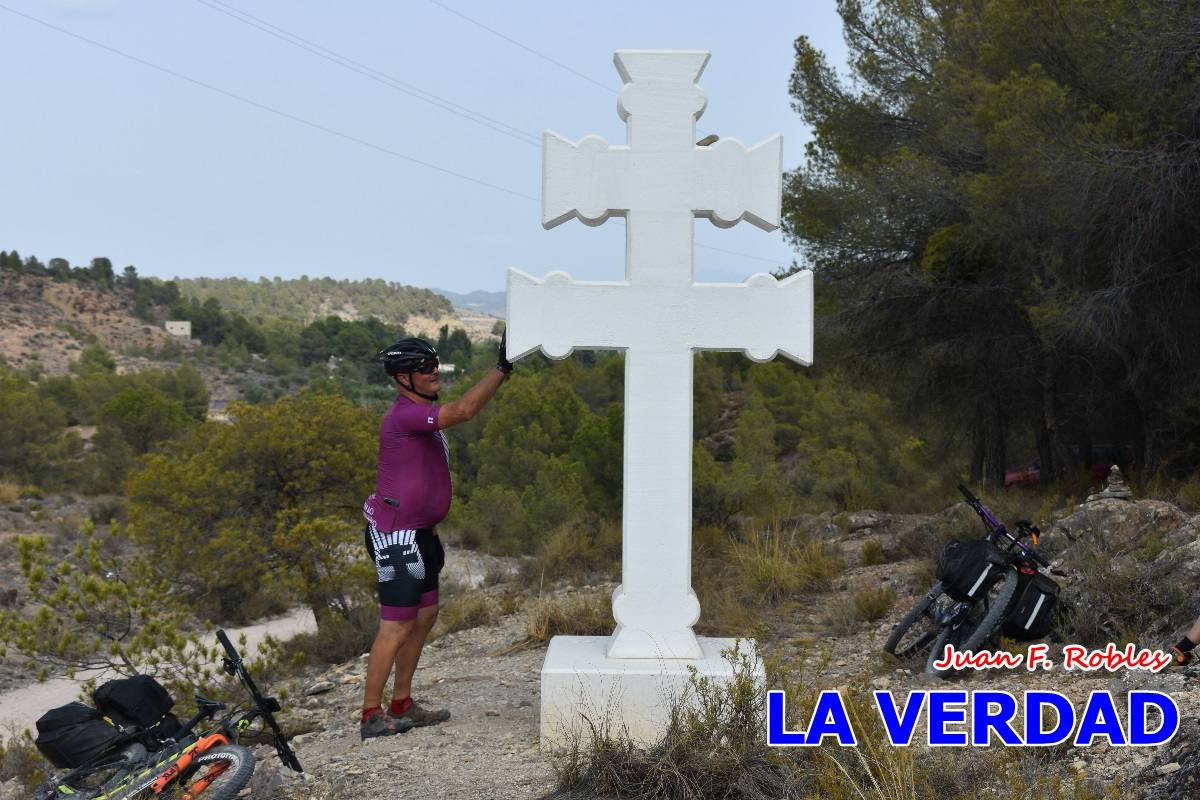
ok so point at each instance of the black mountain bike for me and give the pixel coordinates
(211, 764)
(966, 616)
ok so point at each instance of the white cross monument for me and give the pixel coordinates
(659, 316)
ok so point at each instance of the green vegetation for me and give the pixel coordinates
(1000, 209)
(305, 300)
(262, 510)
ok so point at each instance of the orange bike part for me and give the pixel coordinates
(185, 760)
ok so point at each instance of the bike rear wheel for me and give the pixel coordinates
(974, 631)
(917, 628)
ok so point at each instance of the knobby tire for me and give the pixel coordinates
(914, 615)
(979, 633)
(216, 774)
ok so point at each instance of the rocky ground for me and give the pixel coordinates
(489, 749)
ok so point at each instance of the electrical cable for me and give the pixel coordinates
(524, 47)
(370, 72)
(318, 126)
(267, 108)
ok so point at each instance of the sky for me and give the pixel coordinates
(368, 139)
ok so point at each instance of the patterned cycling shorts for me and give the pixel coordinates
(407, 564)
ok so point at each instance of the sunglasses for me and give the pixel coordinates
(428, 368)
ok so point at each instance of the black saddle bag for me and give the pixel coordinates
(72, 735)
(139, 701)
(1032, 616)
(967, 569)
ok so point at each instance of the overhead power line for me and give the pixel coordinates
(270, 109)
(524, 47)
(315, 125)
(370, 72)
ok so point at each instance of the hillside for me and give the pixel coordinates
(47, 323)
(306, 299)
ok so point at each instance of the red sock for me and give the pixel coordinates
(367, 713)
(399, 706)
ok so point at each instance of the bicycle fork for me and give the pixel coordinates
(175, 770)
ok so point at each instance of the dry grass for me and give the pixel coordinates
(580, 614)
(770, 569)
(9, 493)
(872, 602)
(871, 553)
(472, 608)
(575, 552)
(714, 749)
(19, 759)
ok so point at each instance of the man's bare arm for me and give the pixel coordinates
(467, 406)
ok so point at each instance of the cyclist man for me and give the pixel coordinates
(1183, 652)
(412, 495)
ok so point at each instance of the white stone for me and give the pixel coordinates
(580, 683)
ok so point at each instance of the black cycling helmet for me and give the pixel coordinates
(407, 355)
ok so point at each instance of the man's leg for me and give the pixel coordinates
(392, 637)
(1183, 652)
(409, 652)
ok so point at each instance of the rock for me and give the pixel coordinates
(1167, 769)
(882, 684)
(865, 520)
(491, 712)
(12, 790)
(320, 687)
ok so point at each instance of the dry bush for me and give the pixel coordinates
(1119, 598)
(871, 553)
(19, 759)
(1187, 496)
(723, 613)
(872, 602)
(9, 493)
(580, 614)
(840, 618)
(770, 569)
(576, 552)
(471, 608)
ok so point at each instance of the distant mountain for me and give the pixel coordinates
(484, 302)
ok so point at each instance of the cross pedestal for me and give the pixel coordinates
(659, 316)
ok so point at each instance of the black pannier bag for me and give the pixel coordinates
(967, 569)
(140, 701)
(71, 735)
(1032, 616)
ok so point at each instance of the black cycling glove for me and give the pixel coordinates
(502, 362)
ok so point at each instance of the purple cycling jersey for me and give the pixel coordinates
(414, 470)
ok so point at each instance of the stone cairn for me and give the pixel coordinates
(1115, 488)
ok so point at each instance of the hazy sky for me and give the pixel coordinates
(103, 155)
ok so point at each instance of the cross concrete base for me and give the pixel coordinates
(579, 681)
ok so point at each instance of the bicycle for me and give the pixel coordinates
(212, 763)
(967, 616)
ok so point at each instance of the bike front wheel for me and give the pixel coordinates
(917, 628)
(974, 631)
(216, 774)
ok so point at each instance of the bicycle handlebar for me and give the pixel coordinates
(997, 527)
(263, 705)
